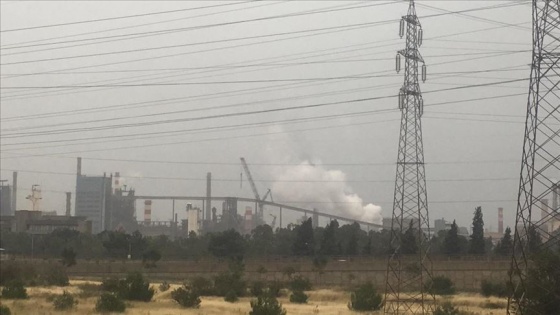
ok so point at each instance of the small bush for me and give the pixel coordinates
(257, 288)
(266, 305)
(135, 288)
(68, 257)
(300, 283)
(65, 301)
(202, 286)
(109, 302)
(228, 281)
(298, 297)
(164, 286)
(14, 290)
(488, 289)
(441, 285)
(4, 310)
(446, 309)
(186, 297)
(231, 296)
(365, 298)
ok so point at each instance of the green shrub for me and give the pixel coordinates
(14, 290)
(447, 309)
(164, 286)
(54, 275)
(186, 297)
(65, 301)
(300, 283)
(298, 297)
(441, 285)
(231, 296)
(266, 305)
(365, 298)
(202, 286)
(135, 288)
(109, 302)
(257, 288)
(488, 288)
(228, 281)
(68, 257)
(4, 310)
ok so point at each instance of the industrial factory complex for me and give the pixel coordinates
(102, 203)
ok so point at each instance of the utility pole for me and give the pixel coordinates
(408, 272)
(540, 163)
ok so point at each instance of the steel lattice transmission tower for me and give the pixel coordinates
(537, 207)
(409, 267)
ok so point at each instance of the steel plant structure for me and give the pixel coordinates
(408, 270)
(540, 168)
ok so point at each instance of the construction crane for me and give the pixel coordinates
(260, 210)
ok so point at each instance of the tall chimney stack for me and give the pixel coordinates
(208, 205)
(501, 221)
(14, 193)
(147, 211)
(79, 168)
(68, 203)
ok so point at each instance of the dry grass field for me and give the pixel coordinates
(323, 302)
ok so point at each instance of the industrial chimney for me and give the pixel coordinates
(147, 211)
(14, 193)
(79, 167)
(208, 214)
(68, 203)
(501, 221)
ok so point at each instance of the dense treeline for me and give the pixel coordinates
(295, 240)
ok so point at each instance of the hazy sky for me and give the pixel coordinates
(166, 91)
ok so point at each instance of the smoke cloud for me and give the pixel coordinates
(314, 186)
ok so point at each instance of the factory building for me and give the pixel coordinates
(39, 222)
(5, 199)
(107, 206)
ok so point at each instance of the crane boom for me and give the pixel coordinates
(250, 179)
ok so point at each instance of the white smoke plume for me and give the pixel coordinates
(314, 186)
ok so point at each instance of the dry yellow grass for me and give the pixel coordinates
(322, 302)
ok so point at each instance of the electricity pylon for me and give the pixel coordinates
(409, 267)
(537, 221)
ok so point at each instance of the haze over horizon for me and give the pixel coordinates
(164, 92)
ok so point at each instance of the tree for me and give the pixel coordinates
(304, 243)
(228, 244)
(505, 245)
(534, 239)
(477, 245)
(409, 245)
(150, 257)
(329, 245)
(451, 243)
(68, 257)
(542, 285)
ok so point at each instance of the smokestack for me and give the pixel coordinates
(501, 221)
(208, 205)
(147, 211)
(68, 203)
(14, 193)
(79, 167)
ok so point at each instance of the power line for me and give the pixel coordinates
(119, 17)
(238, 114)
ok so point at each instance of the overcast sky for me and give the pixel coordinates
(165, 91)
